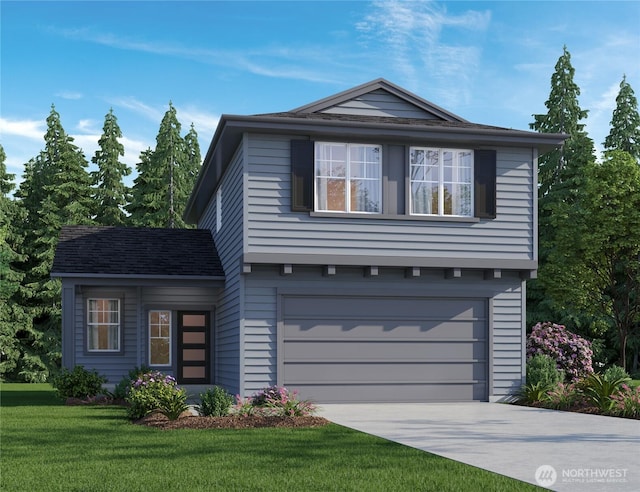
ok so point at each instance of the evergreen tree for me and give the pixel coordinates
(594, 265)
(148, 199)
(625, 123)
(560, 181)
(111, 194)
(194, 161)
(56, 192)
(15, 325)
(165, 177)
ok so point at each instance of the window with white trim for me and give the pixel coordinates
(348, 177)
(159, 338)
(441, 181)
(103, 325)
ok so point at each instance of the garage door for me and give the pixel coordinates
(377, 349)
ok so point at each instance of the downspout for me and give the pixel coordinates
(139, 327)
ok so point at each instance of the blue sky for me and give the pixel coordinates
(488, 62)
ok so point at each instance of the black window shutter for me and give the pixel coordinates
(302, 175)
(485, 183)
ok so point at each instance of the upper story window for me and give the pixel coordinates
(103, 325)
(348, 177)
(441, 181)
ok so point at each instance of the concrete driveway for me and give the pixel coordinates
(559, 450)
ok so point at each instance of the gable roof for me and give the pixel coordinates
(355, 114)
(85, 251)
(332, 104)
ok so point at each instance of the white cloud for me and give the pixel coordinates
(205, 123)
(72, 95)
(408, 36)
(133, 104)
(31, 129)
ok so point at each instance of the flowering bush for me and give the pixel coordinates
(572, 353)
(274, 401)
(563, 396)
(626, 402)
(155, 391)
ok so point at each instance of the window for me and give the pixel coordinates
(441, 181)
(348, 177)
(160, 338)
(103, 325)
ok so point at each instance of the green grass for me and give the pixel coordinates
(48, 446)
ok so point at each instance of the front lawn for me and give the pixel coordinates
(48, 446)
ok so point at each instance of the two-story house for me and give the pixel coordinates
(370, 246)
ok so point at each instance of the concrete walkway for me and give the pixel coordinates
(561, 451)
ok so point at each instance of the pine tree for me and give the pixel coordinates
(192, 167)
(148, 199)
(625, 123)
(165, 177)
(15, 325)
(56, 192)
(560, 181)
(111, 194)
(559, 167)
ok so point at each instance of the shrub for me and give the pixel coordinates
(626, 402)
(173, 403)
(277, 401)
(541, 368)
(153, 391)
(79, 383)
(122, 388)
(598, 390)
(615, 372)
(215, 402)
(562, 396)
(572, 353)
(533, 393)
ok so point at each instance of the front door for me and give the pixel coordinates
(193, 347)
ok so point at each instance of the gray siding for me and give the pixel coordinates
(113, 366)
(229, 242)
(379, 103)
(135, 305)
(504, 296)
(273, 228)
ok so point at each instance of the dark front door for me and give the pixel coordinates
(193, 347)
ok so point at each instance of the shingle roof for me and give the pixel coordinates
(136, 251)
(388, 120)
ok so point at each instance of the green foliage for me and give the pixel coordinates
(626, 402)
(594, 265)
(533, 393)
(110, 193)
(562, 396)
(598, 390)
(215, 402)
(166, 176)
(154, 391)
(173, 403)
(276, 401)
(625, 123)
(614, 373)
(542, 368)
(79, 383)
(122, 388)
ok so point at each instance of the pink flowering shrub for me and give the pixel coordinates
(572, 353)
(155, 391)
(274, 401)
(626, 402)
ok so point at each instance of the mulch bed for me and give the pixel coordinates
(158, 420)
